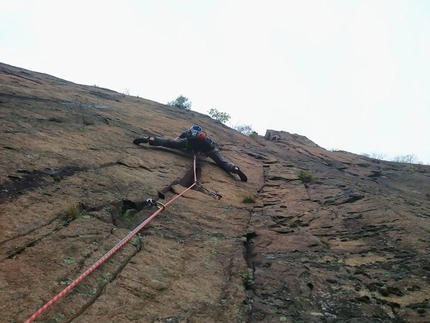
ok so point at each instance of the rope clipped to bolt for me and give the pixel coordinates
(127, 238)
(198, 184)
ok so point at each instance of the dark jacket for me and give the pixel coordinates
(193, 143)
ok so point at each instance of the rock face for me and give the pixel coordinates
(313, 236)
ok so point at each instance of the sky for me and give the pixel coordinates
(349, 75)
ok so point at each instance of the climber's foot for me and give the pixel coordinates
(242, 176)
(143, 140)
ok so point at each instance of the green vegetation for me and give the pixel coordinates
(58, 318)
(410, 168)
(66, 282)
(292, 224)
(410, 202)
(239, 315)
(248, 281)
(223, 117)
(85, 254)
(104, 278)
(89, 292)
(86, 291)
(181, 102)
(305, 176)
(69, 260)
(131, 215)
(73, 212)
(135, 241)
(248, 199)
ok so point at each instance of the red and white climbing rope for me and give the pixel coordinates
(113, 250)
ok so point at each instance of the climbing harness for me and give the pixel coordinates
(150, 201)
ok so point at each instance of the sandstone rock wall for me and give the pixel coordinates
(327, 237)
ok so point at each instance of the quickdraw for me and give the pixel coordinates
(212, 193)
(150, 202)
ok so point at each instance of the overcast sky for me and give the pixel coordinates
(349, 75)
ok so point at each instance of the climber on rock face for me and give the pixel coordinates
(194, 139)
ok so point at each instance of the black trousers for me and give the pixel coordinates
(188, 144)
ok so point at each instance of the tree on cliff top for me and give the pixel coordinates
(181, 102)
(223, 117)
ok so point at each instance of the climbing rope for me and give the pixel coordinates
(198, 184)
(160, 206)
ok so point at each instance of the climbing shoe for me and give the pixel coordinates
(154, 141)
(242, 176)
(143, 140)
